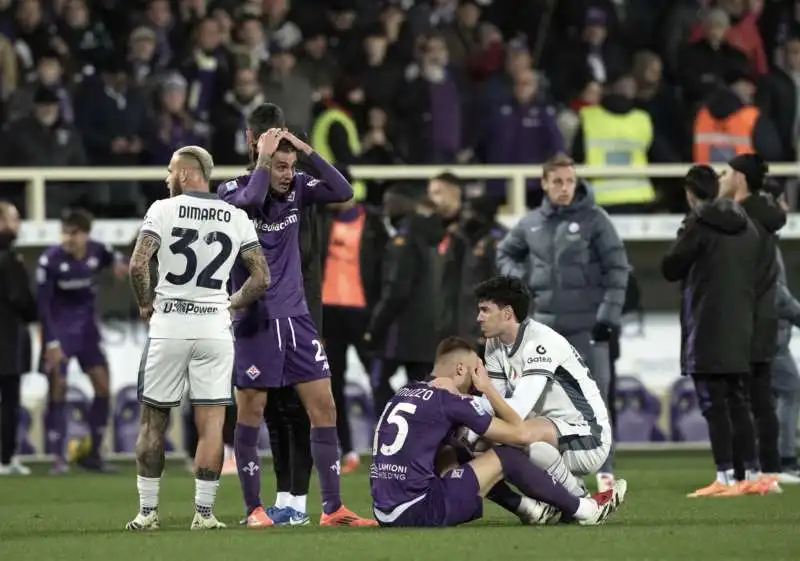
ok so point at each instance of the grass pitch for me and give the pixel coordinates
(81, 517)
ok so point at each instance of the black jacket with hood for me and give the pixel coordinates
(715, 258)
(768, 219)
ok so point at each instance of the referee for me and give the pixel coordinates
(714, 258)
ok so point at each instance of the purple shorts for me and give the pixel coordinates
(86, 349)
(288, 352)
(451, 500)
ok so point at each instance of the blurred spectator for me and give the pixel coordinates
(208, 69)
(344, 36)
(145, 69)
(159, 18)
(49, 74)
(43, 139)
(9, 72)
(728, 124)
(779, 97)
(398, 31)
(522, 132)
(379, 77)
(229, 139)
(174, 125)
(283, 85)
(278, 27)
(315, 62)
(596, 57)
(615, 133)
(659, 100)
(682, 17)
(250, 49)
(462, 35)
(742, 34)
(706, 62)
(499, 87)
(87, 39)
(34, 36)
(777, 23)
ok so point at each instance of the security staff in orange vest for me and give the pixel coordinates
(728, 124)
(354, 239)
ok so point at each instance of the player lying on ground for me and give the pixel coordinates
(197, 238)
(66, 293)
(407, 488)
(277, 343)
(548, 384)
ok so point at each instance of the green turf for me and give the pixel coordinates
(80, 517)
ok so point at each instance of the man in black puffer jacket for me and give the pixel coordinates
(743, 181)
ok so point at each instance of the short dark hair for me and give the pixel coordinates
(505, 291)
(264, 117)
(449, 178)
(78, 218)
(453, 344)
(556, 162)
(703, 182)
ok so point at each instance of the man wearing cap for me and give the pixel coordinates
(743, 181)
(714, 259)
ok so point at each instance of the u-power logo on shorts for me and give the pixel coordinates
(188, 308)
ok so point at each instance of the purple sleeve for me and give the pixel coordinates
(466, 411)
(251, 195)
(332, 187)
(45, 291)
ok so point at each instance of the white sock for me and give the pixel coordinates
(587, 508)
(228, 451)
(726, 477)
(752, 475)
(283, 499)
(205, 493)
(298, 502)
(148, 493)
(546, 457)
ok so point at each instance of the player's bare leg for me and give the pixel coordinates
(317, 399)
(250, 404)
(57, 417)
(209, 421)
(513, 465)
(98, 419)
(150, 458)
(544, 454)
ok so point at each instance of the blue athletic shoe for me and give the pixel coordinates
(288, 516)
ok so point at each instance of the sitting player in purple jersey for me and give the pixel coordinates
(66, 277)
(417, 483)
(277, 344)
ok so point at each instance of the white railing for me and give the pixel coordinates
(36, 178)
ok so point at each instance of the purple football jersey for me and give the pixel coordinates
(67, 289)
(277, 222)
(413, 426)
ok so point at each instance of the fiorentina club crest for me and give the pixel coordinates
(253, 372)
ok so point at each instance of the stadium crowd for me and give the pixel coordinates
(123, 83)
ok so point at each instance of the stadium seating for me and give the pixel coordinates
(638, 412)
(687, 422)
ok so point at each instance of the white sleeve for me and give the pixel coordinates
(247, 232)
(541, 363)
(153, 224)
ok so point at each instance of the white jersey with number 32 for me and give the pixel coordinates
(200, 237)
(569, 394)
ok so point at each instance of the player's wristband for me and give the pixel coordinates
(53, 345)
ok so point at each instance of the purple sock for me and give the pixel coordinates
(248, 462)
(325, 452)
(57, 428)
(534, 482)
(98, 420)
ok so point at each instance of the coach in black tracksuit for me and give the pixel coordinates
(714, 258)
(404, 325)
(745, 180)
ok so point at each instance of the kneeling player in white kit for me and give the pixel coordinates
(196, 239)
(547, 383)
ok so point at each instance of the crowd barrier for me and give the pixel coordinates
(656, 408)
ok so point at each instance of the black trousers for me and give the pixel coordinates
(190, 429)
(762, 403)
(724, 402)
(384, 369)
(290, 441)
(343, 328)
(9, 416)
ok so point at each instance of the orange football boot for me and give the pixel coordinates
(345, 517)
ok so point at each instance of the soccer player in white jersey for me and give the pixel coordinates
(196, 238)
(546, 382)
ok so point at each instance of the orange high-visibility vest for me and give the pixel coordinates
(342, 284)
(719, 140)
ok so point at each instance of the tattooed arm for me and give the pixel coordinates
(258, 281)
(150, 445)
(146, 246)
